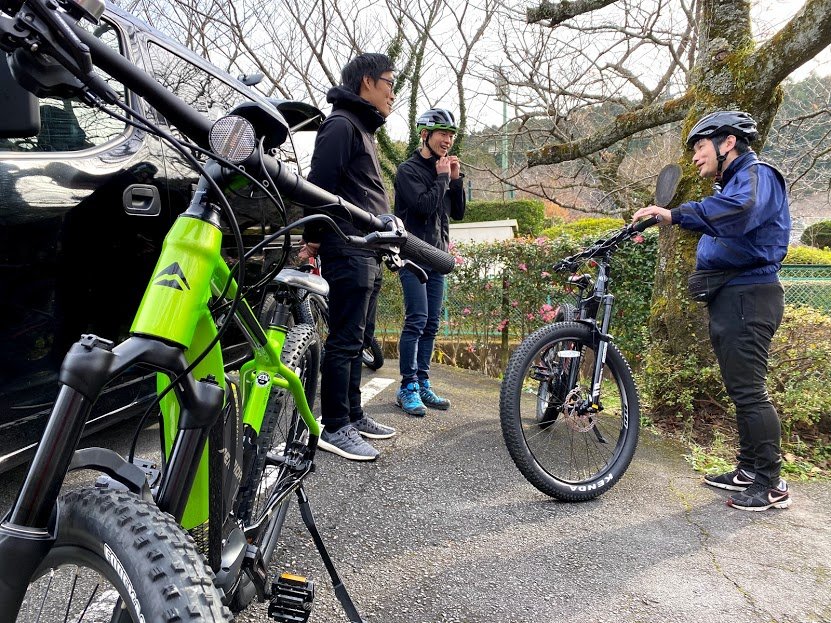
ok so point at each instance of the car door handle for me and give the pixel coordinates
(142, 200)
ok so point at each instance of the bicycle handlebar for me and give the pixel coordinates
(604, 246)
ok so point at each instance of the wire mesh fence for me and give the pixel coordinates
(807, 285)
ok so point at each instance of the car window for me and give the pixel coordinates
(208, 93)
(68, 124)
(201, 89)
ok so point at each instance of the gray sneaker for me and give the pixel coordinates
(347, 443)
(373, 430)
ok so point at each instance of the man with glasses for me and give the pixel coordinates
(345, 162)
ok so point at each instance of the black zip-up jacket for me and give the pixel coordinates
(426, 201)
(345, 162)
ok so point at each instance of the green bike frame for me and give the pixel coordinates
(174, 308)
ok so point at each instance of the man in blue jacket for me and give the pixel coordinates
(428, 192)
(745, 227)
(345, 162)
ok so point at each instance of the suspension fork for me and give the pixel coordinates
(601, 334)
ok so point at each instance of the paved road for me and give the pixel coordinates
(442, 528)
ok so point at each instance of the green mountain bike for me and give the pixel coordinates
(190, 537)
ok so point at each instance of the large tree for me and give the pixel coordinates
(730, 71)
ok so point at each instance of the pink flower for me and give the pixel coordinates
(514, 303)
(458, 259)
(530, 315)
(637, 239)
(502, 325)
(466, 311)
(488, 286)
(545, 274)
(523, 267)
(541, 240)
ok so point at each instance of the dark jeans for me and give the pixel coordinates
(354, 282)
(743, 320)
(422, 307)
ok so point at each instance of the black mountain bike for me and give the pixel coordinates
(568, 405)
(190, 537)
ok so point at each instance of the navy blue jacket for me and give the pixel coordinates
(424, 200)
(345, 162)
(746, 225)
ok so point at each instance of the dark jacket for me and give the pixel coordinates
(345, 162)
(424, 200)
(746, 225)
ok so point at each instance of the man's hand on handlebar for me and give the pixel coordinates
(664, 216)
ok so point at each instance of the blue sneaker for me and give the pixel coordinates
(408, 399)
(429, 397)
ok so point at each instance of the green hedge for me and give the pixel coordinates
(817, 235)
(529, 214)
(584, 229)
(807, 255)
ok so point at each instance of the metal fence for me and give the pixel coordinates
(808, 284)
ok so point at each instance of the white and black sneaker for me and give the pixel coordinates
(759, 497)
(737, 480)
(347, 443)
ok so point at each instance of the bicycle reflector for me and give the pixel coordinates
(232, 137)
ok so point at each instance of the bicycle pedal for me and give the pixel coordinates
(292, 598)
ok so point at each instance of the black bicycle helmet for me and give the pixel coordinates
(436, 119)
(733, 122)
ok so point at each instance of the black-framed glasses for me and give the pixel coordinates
(388, 81)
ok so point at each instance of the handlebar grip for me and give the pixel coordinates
(645, 224)
(423, 253)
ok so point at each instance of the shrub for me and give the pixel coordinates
(585, 230)
(529, 214)
(817, 235)
(807, 255)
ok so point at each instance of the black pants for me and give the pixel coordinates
(743, 320)
(354, 282)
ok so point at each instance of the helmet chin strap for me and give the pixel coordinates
(720, 158)
(429, 148)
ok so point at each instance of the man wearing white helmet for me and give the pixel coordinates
(745, 227)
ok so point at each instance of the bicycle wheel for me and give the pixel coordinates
(372, 354)
(282, 425)
(315, 311)
(119, 558)
(563, 449)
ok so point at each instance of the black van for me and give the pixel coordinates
(72, 261)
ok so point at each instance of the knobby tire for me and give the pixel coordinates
(565, 453)
(117, 551)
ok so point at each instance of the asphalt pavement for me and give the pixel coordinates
(443, 528)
